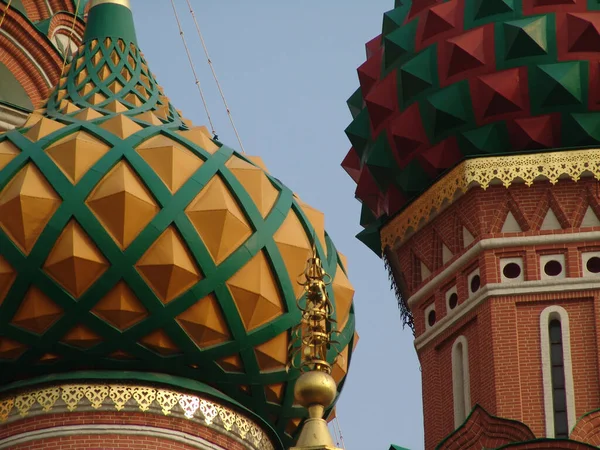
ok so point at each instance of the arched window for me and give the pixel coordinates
(559, 398)
(460, 380)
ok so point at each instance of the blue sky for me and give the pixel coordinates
(287, 68)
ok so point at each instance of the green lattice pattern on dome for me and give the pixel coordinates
(112, 76)
(457, 79)
(50, 323)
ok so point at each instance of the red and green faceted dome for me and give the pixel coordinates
(132, 242)
(449, 80)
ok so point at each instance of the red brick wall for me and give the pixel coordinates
(41, 50)
(103, 442)
(48, 421)
(483, 214)
(503, 332)
(20, 65)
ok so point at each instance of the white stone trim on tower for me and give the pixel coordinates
(461, 382)
(548, 314)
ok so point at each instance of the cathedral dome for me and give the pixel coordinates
(452, 80)
(130, 240)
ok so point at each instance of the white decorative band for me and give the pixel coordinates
(148, 399)
(488, 244)
(96, 430)
(499, 289)
(483, 172)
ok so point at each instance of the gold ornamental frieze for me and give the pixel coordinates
(483, 172)
(123, 398)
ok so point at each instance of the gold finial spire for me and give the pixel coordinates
(315, 389)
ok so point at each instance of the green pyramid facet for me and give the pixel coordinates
(490, 139)
(447, 109)
(355, 103)
(413, 179)
(581, 130)
(393, 19)
(366, 216)
(399, 43)
(487, 8)
(525, 37)
(359, 132)
(381, 162)
(559, 84)
(417, 75)
(371, 238)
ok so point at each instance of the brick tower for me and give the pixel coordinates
(475, 139)
(37, 38)
(148, 273)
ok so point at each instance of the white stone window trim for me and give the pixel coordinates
(427, 311)
(449, 292)
(560, 258)
(585, 257)
(519, 262)
(548, 314)
(461, 381)
(473, 274)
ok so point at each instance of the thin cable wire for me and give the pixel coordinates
(336, 434)
(340, 431)
(187, 50)
(68, 47)
(5, 12)
(237, 135)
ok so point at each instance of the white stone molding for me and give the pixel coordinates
(461, 382)
(493, 243)
(548, 314)
(503, 289)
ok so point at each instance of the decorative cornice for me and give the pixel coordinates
(124, 398)
(483, 172)
(563, 285)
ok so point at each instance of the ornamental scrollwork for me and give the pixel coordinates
(126, 397)
(483, 172)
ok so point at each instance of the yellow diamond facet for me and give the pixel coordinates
(77, 153)
(123, 204)
(75, 262)
(26, 205)
(219, 220)
(168, 266)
